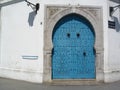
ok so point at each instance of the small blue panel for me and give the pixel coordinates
(73, 53)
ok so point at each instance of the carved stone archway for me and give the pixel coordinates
(52, 15)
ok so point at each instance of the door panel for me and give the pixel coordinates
(73, 54)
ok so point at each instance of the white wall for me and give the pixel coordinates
(113, 72)
(19, 39)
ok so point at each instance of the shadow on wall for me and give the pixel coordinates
(117, 24)
(31, 18)
(31, 14)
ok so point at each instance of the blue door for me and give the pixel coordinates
(73, 55)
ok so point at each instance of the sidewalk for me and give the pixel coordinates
(8, 84)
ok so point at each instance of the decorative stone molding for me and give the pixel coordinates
(52, 15)
(52, 11)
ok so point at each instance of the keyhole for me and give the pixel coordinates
(78, 35)
(68, 35)
(84, 54)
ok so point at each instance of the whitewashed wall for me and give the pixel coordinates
(18, 38)
(113, 72)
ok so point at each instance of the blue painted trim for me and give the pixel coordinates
(30, 57)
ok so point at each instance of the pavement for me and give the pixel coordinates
(9, 84)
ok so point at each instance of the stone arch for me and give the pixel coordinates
(52, 19)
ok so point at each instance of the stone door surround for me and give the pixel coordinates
(52, 15)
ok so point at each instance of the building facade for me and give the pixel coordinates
(65, 42)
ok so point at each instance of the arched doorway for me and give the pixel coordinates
(73, 54)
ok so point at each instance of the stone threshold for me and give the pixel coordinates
(74, 82)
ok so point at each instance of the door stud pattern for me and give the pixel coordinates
(73, 49)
